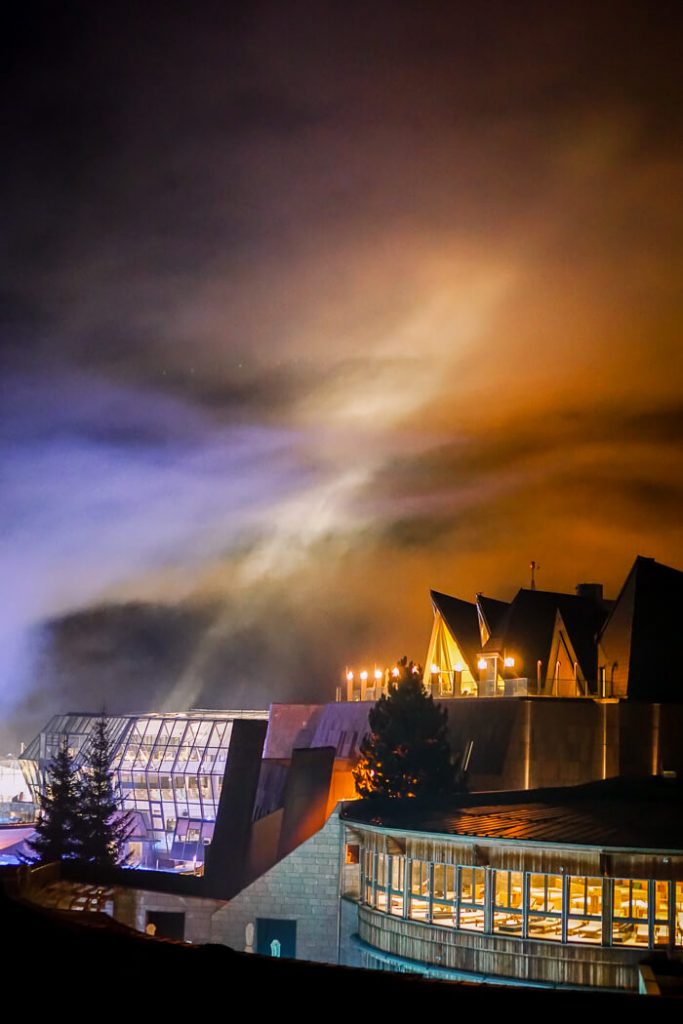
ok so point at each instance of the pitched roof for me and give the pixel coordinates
(463, 622)
(492, 610)
(528, 624)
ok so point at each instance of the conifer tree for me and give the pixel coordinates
(103, 828)
(407, 752)
(57, 828)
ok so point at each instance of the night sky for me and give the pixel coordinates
(310, 307)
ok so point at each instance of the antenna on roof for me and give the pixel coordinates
(533, 566)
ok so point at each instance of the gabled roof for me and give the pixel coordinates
(463, 622)
(527, 627)
(492, 611)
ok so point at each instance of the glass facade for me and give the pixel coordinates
(168, 768)
(553, 908)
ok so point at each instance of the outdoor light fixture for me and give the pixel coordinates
(509, 663)
(458, 666)
(349, 676)
(481, 664)
(435, 669)
(378, 673)
(395, 673)
(364, 675)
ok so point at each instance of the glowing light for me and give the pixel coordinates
(378, 673)
(509, 663)
(435, 668)
(364, 675)
(395, 673)
(415, 670)
(458, 666)
(349, 676)
(481, 663)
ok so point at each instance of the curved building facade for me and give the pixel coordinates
(564, 887)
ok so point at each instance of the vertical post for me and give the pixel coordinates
(604, 740)
(527, 744)
(607, 912)
(489, 891)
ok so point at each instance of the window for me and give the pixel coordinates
(508, 917)
(419, 890)
(443, 905)
(471, 893)
(382, 881)
(584, 918)
(678, 912)
(352, 853)
(396, 880)
(368, 871)
(661, 913)
(545, 907)
(630, 905)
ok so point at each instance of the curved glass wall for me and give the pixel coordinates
(554, 908)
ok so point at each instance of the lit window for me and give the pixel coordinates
(508, 898)
(584, 917)
(545, 907)
(630, 910)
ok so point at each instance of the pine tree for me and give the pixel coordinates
(407, 752)
(103, 828)
(57, 828)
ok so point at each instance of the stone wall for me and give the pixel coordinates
(303, 887)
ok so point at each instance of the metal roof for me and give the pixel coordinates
(643, 814)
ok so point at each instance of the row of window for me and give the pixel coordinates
(560, 908)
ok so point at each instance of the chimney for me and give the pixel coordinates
(593, 591)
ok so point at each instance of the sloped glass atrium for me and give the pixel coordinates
(168, 767)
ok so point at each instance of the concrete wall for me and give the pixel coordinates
(303, 887)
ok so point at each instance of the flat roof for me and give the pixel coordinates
(637, 814)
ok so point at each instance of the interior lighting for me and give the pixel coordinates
(435, 669)
(458, 666)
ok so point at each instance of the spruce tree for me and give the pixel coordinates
(103, 828)
(57, 827)
(407, 752)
